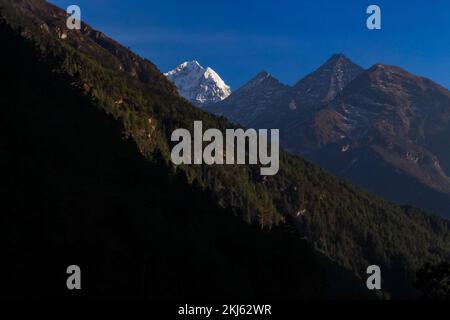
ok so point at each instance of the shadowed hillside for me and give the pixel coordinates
(86, 147)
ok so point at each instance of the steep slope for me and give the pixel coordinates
(252, 103)
(74, 191)
(340, 221)
(326, 82)
(52, 20)
(266, 103)
(197, 84)
(387, 131)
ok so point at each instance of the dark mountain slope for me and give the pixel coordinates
(387, 132)
(76, 192)
(324, 84)
(255, 102)
(266, 103)
(383, 129)
(345, 224)
(52, 20)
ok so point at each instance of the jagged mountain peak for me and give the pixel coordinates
(338, 58)
(262, 75)
(326, 82)
(337, 66)
(381, 67)
(252, 100)
(262, 79)
(186, 66)
(198, 85)
(396, 80)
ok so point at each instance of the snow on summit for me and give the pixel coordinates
(199, 85)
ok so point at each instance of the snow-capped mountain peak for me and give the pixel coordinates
(199, 85)
(188, 66)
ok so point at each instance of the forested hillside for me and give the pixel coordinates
(85, 151)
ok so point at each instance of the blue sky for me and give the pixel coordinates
(288, 38)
